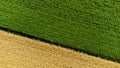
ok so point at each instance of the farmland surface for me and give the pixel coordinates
(91, 26)
(21, 52)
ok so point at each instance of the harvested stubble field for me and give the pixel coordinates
(22, 52)
(90, 26)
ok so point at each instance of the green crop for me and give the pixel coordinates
(91, 26)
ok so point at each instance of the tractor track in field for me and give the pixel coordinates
(22, 52)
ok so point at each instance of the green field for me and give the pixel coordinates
(91, 26)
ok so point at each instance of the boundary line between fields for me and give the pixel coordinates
(33, 37)
(54, 43)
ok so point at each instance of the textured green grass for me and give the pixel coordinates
(91, 26)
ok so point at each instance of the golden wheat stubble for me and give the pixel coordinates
(22, 52)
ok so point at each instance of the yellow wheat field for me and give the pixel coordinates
(22, 52)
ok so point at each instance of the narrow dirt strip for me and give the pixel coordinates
(22, 52)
